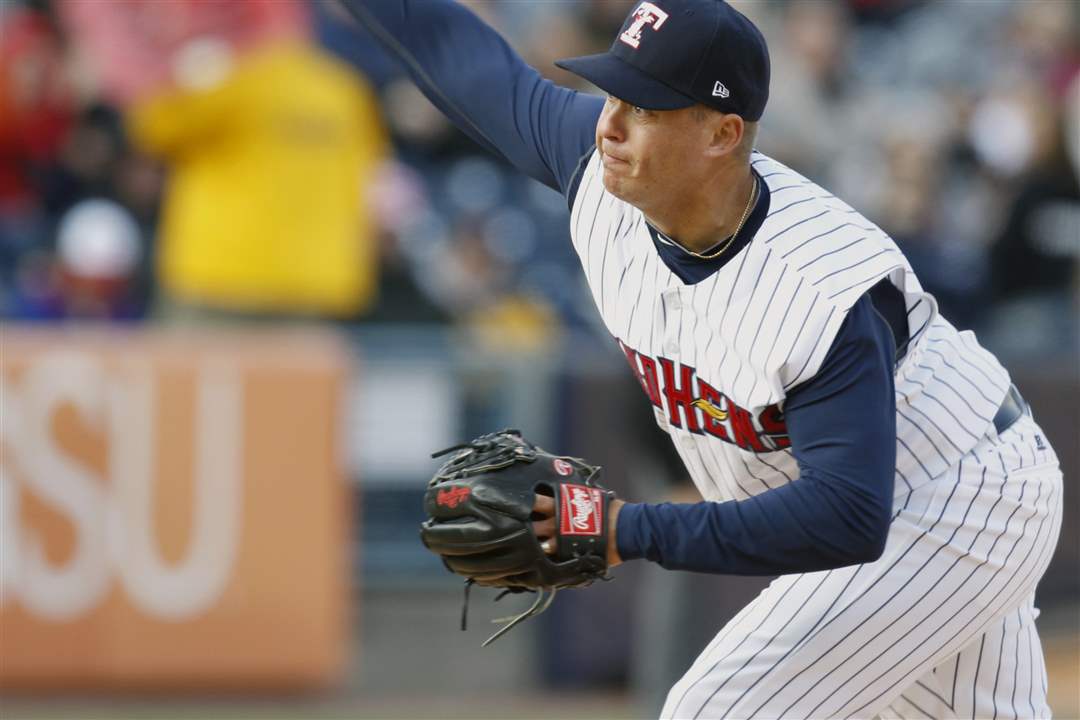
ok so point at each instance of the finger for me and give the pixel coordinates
(549, 546)
(498, 579)
(447, 539)
(487, 565)
(502, 583)
(544, 505)
(523, 580)
(544, 528)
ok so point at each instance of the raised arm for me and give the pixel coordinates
(470, 73)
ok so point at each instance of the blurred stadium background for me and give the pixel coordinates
(250, 279)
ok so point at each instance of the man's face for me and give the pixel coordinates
(651, 158)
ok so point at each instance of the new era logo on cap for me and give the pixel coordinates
(719, 90)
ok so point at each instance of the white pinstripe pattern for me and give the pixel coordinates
(975, 516)
(958, 576)
(764, 322)
(963, 686)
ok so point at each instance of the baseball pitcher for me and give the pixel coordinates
(844, 435)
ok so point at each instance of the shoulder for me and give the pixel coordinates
(816, 256)
(586, 172)
(827, 247)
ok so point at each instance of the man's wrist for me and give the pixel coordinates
(613, 557)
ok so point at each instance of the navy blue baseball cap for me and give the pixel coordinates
(672, 54)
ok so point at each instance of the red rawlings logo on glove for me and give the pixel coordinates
(453, 497)
(580, 508)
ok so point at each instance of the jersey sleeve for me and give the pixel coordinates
(842, 426)
(473, 76)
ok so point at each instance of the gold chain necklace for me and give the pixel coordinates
(745, 214)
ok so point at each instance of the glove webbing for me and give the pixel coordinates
(488, 453)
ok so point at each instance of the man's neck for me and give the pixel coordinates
(709, 213)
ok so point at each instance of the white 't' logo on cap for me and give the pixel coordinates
(720, 90)
(646, 14)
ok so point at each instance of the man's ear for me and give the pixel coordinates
(726, 136)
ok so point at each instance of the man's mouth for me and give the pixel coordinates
(612, 161)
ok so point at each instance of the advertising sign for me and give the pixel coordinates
(172, 509)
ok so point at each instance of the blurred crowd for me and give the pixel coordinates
(202, 160)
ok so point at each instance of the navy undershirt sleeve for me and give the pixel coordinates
(473, 76)
(842, 425)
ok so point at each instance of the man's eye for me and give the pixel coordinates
(638, 110)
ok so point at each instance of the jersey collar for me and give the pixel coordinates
(692, 270)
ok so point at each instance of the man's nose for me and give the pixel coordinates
(610, 126)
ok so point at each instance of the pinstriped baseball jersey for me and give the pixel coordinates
(717, 358)
(938, 622)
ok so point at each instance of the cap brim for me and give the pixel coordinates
(619, 78)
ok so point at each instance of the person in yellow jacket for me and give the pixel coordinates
(269, 155)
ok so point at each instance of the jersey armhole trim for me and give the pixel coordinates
(798, 380)
(575, 178)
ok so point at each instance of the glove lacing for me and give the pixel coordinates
(543, 601)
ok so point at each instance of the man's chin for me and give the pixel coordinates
(617, 186)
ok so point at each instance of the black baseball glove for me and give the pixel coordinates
(480, 517)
